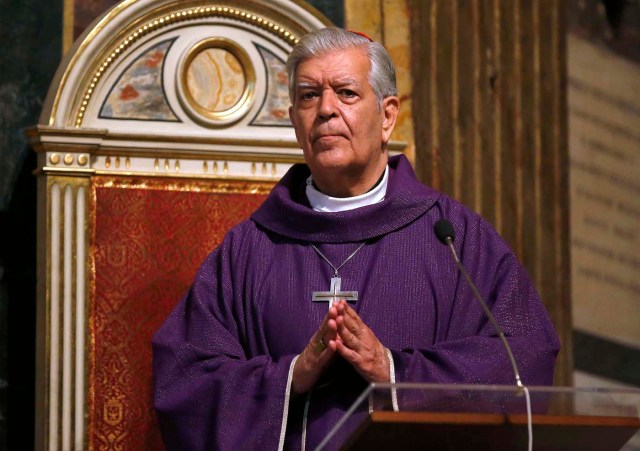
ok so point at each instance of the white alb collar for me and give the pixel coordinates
(321, 202)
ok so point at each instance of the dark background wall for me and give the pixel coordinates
(30, 33)
(612, 23)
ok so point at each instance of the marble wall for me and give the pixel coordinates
(604, 118)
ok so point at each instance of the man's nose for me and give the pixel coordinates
(328, 107)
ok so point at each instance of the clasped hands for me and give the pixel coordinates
(343, 333)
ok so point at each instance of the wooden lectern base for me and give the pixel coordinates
(477, 431)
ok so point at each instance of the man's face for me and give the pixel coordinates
(335, 115)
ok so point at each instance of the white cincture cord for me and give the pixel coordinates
(529, 419)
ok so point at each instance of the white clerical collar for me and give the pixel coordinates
(321, 202)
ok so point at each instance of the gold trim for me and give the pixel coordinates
(68, 22)
(105, 137)
(86, 187)
(83, 160)
(518, 170)
(65, 171)
(226, 186)
(49, 183)
(558, 49)
(68, 159)
(173, 175)
(455, 103)
(73, 302)
(537, 146)
(87, 40)
(168, 19)
(54, 158)
(197, 111)
(35, 135)
(497, 123)
(477, 109)
(197, 155)
(62, 185)
(67, 147)
(90, 344)
(433, 95)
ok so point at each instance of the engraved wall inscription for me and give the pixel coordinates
(604, 148)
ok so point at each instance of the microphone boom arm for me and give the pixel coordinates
(487, 312)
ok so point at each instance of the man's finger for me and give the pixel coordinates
(352, 315)
(328, 327)
(352, 324)
(348, 353)
(349, 333)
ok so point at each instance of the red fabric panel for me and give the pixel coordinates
(148, 239)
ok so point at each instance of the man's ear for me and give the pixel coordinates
(291, 116)
(293, 122)
(390, 109)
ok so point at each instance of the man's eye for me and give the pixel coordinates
(308, 95)
(348, 93)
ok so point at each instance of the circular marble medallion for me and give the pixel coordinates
(216, 82)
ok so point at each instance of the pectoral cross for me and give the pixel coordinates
(334, 294)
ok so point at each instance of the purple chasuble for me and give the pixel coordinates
(222, 360)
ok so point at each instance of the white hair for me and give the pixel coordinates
(382, 73)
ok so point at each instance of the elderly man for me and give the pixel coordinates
(338, 280)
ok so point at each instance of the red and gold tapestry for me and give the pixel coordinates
(149, 237)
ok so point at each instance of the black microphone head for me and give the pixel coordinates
(444, 230)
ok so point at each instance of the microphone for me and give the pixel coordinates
(445, 233)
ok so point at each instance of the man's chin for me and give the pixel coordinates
(330, 160)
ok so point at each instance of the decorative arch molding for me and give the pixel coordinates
(135, 95)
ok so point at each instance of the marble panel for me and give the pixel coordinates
(216, 79)
(276, 103)
(139, 92)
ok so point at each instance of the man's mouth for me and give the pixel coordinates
(327, 136)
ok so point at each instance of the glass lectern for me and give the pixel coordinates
(495, 417)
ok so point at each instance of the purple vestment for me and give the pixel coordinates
(222, 359)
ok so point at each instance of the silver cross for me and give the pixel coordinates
(334, 294)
